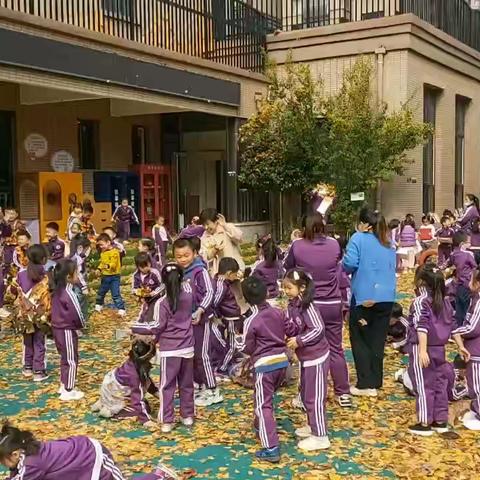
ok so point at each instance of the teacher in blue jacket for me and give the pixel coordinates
(371, 261)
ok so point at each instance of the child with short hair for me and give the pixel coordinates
(174, 335)
(147, 245)
(55, 245)
(306, 333)
(82, 248)
(122, 390)
(20, 258)
(112, 233)
(426, 231)
(162, 239)
(109, 267)
(398, 328)
(67, 319)
(444, 236)
(264, 341)
(227, 311)
(195, 272)
(124, 215)
(430, 326)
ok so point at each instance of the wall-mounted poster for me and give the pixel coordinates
(36, 145)
(62, 161)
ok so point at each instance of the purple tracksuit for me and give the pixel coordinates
(345, 284)
(162, 239)
(444, 249)
(270, 275)
(430, 384)
(226, 309)
(174, 335)
(321, 259)
(151, 281)
(67, 318)
(191, 231)
(124, 217)
(34, 349)
(56, 248)
(7, 230)
(197, 275)
(408, 236)
(471, 214)
(470, 332)
(306, 325)
(264, 341)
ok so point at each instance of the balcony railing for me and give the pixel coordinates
(234, 32)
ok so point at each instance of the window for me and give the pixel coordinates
(253, 206)
(461, 105)
(139, 145)
(430, 95)
(118, 8)
(311, 13)
(88, 144)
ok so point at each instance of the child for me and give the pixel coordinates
(34, 303)
(122, 390)
(162, 239)
(307, 337)
(67, 319)
(147, 286)
(111, 232)
(444, 237)
(147, 245)
(264, 341)
(87, 225)
(75, 218)
(195, 272)
(268, 267)
(430, 326)
(109, 268)
(426, 232)
(464, 263)
(82, 251)
(20, 259)
(55, 246)
(344, 282)
(475, 240)
(226, 309)
(394, 227)
(174, 334)
(408, 247)
(124, 215)
(195, 229)
(397, 330)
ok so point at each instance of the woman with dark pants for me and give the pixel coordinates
(371, 261)
(320, 255)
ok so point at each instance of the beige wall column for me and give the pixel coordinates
(379, 52)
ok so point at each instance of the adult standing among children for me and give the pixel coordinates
(371, 261)
(471, 213)
(320, 255)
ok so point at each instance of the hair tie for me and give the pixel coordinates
(296, 276)
(3, 439)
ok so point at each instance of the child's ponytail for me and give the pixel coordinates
(301, 279)
(63, 269)
(141, 353)
(431, 277)
(12, 439)
(268, 249)
(172, 277)
(37, 257)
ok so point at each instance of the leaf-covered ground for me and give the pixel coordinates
(368, 441)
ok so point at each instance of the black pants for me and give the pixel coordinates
(462, 302)
(368, 342)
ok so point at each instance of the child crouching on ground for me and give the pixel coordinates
(264, 341)
(122, 390)
(307, 337)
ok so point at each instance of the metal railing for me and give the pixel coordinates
(234, 32)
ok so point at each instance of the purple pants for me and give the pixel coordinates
(162, 248)
(123, 229)
(175, 371)
(473, 382)
(313, 390)
(66, 342)
(202, 364)
(430, 385)
(266, 384)
(34, 349)
(219, 347)
(3, 287)
(231, 346)
(333, 320)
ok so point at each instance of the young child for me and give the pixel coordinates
(55, 245)
(111, 232)
(444, 237)
(162, 239)
(20, 259)
(109, 268)
(195, 272)
(264, 341)
(87, 225)
(226, 310)
(397, 330)
(82, 249)
(194, 229)
(430, 326)
(174, 334)
(307, 337)
(268, 267)
(464, 263)
(147, 286)
(408, 247)
(67, 319)
(147, 245)
(34, 303)
(475, 240)
(75, 218)
(344, 282)
(122, 390)
(426, 232)
(124, 215)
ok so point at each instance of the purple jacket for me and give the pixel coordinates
(201, 283)
(470, 330)
(465, 222)
(408, 237)
(81, 260)
(464, 263)
(173, 331)
(445, 232)
(25, 283)
(66, 311)
(320, 258)
(151, 281)
(127, 376)
(269, 274)
(475, 239)
(56, 248)
(264, 337)
(191, 231)
(125, 214)
(157, 235)
(306, 325)
(74, 458)
(422, 318)
(224, 303)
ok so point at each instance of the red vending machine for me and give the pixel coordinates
(155, 195)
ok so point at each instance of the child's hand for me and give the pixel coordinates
(197, 316)
(424, 359)
(292, 343)
(465, 354)
(151, 425)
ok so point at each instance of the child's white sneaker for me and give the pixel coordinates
(167, 427)
(188, 421)
(208, 397)
(303, 432)
(27, 372)
(313, 443)
(40, 376)
(61, 389)
(96, 407)
(398, 375)
(71, 396)
(165, 473)
(98, 308)
(363, 392)
(122, 313)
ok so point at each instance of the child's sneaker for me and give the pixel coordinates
(96, 407)
(422, 430)
(27, 372)
(98, 308)
(345, 400)
(122, 313)
(398, 375)
(303, 432)
(222, 377)
(71, 396)
(313, 443)
(471, 421)
(208, 397)
(440, 427)
(40, 376)
(165, 473)
(167, 427)
(363, 392)
(188, 421)
(271, 455)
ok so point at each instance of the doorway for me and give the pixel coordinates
(7, 152)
